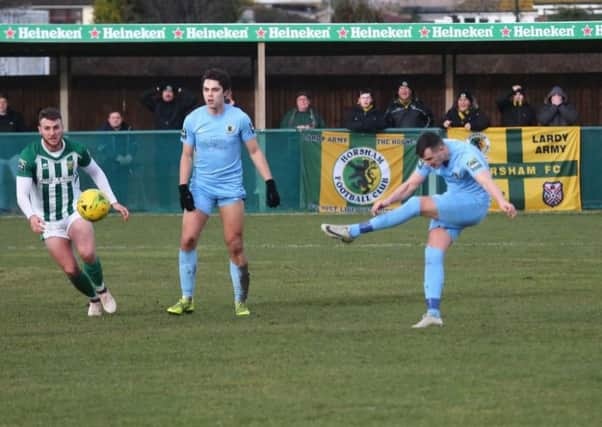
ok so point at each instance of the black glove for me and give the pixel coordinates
(186, 200)
(273, 198)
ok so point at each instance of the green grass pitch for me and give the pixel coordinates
(329, 342)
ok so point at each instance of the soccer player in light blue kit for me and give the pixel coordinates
(465, 203)
(212, 138)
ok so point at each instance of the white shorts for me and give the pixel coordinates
(60, 228)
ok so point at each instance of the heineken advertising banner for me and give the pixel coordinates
(348, 172)
(536, 167)
(409, 32)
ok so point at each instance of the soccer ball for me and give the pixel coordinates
(93, 205)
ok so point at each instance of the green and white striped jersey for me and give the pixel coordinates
(55, 177)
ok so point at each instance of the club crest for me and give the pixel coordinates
(361, 175)
(553, 195)
(481, 141)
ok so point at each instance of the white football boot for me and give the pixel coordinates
(94, 309)
(340, 232)
(428, 320)
(108, 302)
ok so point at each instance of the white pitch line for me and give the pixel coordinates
(330, 245)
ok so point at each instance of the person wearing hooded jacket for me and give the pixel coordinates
(169, 105)
(556, 110)
(466, 114)
(365, 117)
(407, 111)
(515, 109)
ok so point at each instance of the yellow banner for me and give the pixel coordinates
(537, 168)
(358, 169)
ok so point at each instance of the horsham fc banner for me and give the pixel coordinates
(348, 172)
(537, 168)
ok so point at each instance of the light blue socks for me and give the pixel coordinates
(240, 281)
(433, 279)
(407, 211)
(188, 262)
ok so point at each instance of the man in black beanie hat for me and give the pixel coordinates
(407, 111)
(466, 114)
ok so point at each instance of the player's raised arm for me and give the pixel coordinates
(485, 180)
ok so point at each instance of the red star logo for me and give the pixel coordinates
(260, 33)
(343, 33)
(587, 30)
(505, 32)
(177, 33)
(94, 33)
(10, 33)
(424, 32)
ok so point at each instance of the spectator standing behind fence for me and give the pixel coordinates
(116, 153)
(466, 114)
(556, 110)
(407, 111)
(169, 105)
(10, 120)
(515, 109)
(365, 117)
(303, 116)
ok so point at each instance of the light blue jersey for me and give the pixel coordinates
(464, 163)
(217, 141)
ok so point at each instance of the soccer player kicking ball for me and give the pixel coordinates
(47, 192)
(466, 202)
(211, 175)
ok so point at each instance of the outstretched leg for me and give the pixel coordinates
(411, 208)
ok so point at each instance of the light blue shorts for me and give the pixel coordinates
(458, 211)
(205, 202)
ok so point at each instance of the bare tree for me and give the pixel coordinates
(184, 11)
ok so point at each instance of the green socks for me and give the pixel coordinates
(83, 284)
(94, 272)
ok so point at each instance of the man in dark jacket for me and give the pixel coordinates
(364, 117)
(116, 154)
(466, 114)
(303, 116)
(10, 120)
(556, 110)
(169, 105)
(515, 109)
(407, 111)
(115, 122)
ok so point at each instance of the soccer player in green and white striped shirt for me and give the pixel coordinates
(47, 192)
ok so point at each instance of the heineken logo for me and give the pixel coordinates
(361, 175)
(56, 33)
(390, 32)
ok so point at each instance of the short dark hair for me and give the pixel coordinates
(49, 113)
(3, 95)
(365, 90)
(427, 140)
(219, 75)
